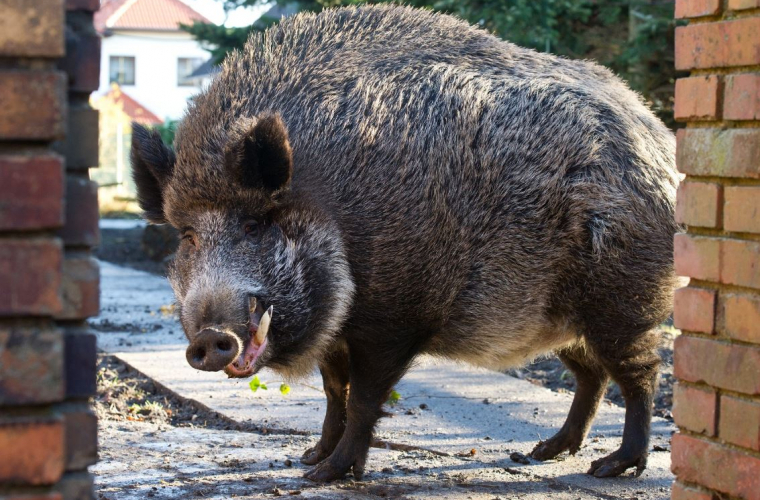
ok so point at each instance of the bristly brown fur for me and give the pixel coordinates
(418, 185)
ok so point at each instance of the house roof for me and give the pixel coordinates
(133, 109)
(152, 15)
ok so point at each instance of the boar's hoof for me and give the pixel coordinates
(546, 450)
(616, 463)
(314, 455)
(327, 471)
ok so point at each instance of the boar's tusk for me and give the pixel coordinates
(261, 332)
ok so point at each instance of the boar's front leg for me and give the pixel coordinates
(334, 369)
(373, 371)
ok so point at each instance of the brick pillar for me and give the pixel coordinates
(49, 64)
(716, 452)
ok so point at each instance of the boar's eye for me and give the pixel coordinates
(189, 236)
(251, 228)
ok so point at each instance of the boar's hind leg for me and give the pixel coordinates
(334, 371)
(632, 361)
(373, 371)
(591, 382)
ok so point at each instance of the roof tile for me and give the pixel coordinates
(161, 15)
(133, 109)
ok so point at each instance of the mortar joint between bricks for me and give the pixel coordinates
(721, 70)
(722, 234)
(724, 15)
(718, 441)
(722, 124)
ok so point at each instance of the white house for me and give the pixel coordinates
(148, 55)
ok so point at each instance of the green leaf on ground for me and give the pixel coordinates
(255, 384)
(394, 398)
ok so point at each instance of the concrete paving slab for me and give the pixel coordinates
(465, 408)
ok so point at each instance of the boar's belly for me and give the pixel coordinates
(499, 348)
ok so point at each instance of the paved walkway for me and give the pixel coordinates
(121, 223)
(445, 407)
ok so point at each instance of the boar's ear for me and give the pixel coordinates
(152, 165)
(261, 155)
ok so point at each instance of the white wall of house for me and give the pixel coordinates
(156, 58)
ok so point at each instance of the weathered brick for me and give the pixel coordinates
(719, 364)
(81, 361)
(82, 139)
(740, 422)
(32, 365)
(695, 409)
(81, 226)
(742, 97)
(716, 467)
(32, 29)
(31, 450)
(33, 104)
(80, 287)
(697, 98)
(697, 256)
(694, 309)
(681, 492)
(81, 437)
(743, 4)
(740, 263)
(699, 204)
(715, 45)
(741, 315)
(30, 271)
(696, 8)
(91, 5)
(717, 152)
(82, 61)
(31, 192)
(742, 209)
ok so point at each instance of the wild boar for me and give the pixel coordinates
(364, 185)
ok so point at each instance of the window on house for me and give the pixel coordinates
(185, 68)
(122, 70)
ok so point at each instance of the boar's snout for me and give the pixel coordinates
(212, 350)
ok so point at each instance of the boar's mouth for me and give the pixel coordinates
(258, 327)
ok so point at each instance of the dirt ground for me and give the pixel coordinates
(135, 413)
(180, 450)
(125, 247)
(124, 395)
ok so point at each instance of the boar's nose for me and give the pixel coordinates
(212, 350)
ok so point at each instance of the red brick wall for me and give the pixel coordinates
(716, 453)
(48, 221)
